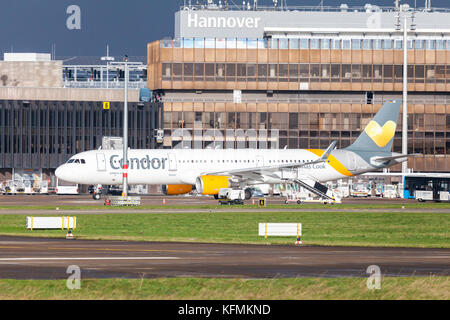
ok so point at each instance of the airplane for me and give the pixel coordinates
(179, 171)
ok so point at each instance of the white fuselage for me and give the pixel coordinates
(183, 166)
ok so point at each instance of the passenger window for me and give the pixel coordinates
(70, 161)
(83, 161)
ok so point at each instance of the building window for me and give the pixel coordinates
(431, 45)
(209, 71)
(304, 44)
(346, 44)
(315, 44)
(388, 44)
(220, 72)
(335, 44)
(293, 72)
(177, 71)
(273, 68)
(199, 71)
(346, 72)
(241, 72)
(356, 44)
(167, 71)
(283, 72)
(188, 71)
(335, 72)
(315, 72)
(262, 72)
(199, 43)
(367, 44)
(398, 44)
(325, 43)
(419, 44)
(251, 72)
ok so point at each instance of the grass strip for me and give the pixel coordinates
(390, 229)
(411, 288)
(315, 206)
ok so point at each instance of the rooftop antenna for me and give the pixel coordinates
(397, 16)
(413, 21)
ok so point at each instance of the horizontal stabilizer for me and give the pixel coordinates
(384, 159)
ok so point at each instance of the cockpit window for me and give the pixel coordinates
(77, 161)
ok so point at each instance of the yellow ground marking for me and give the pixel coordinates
(111, 249)
(5, 247)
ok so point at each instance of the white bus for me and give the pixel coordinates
(64, 187)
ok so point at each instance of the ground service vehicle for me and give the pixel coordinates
(231, 196)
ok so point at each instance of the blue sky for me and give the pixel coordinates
(126, 25)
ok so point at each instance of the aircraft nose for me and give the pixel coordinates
(59, 172)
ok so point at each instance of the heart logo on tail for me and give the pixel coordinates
(381, 135)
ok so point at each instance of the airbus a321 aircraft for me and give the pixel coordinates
(209, 170)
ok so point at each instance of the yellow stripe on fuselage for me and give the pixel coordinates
(333, 162)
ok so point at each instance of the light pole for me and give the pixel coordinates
(404, 9)
(125, 132)
(126, 66)
(107, 58)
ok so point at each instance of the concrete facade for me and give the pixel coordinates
(43, 74)
(66, 94)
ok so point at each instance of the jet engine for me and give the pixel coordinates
(174, 189)
(210, 185)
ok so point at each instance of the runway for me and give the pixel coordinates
(36, 258)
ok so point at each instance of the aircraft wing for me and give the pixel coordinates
(257, 172)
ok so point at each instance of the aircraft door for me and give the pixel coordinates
(172, 163)
(351, 161)
(101, 162)
(260, 161)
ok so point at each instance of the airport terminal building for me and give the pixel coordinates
(301, 78)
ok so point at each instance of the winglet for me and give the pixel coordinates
(327, 152)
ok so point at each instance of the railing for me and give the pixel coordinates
(240, 7)
(104, 84)
(411, 100)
